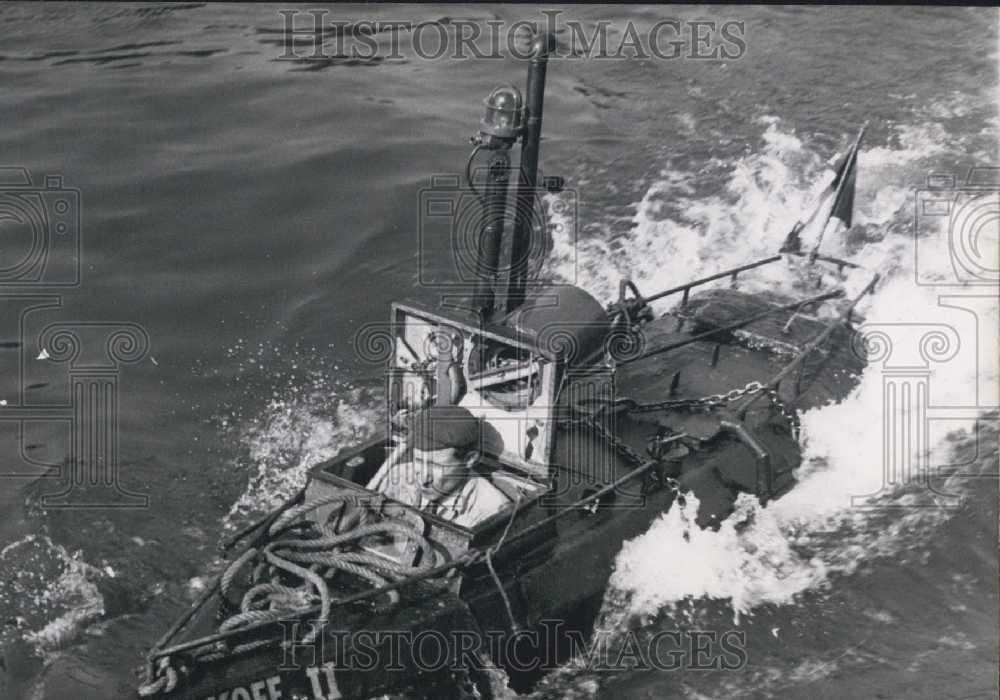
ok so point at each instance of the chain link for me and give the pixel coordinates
(710, 401)
(790, 415)
(705, 402)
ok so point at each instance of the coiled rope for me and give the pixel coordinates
(291, 572)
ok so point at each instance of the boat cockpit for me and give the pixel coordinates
(501, 376)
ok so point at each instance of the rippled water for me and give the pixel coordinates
(251, 214)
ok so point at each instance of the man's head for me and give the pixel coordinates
(445, 442)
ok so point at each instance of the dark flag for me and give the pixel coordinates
(834, 202)
(843, 207)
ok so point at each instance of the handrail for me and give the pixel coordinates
(812, 345)
(363, 595)
(687, 287)
(736, 324)
(640, 301)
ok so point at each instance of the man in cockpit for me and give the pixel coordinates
(440, 476)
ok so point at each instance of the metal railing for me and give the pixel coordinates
(630, 307)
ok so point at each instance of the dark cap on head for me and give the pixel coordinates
(441, 427)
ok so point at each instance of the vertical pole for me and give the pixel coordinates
(524, 208)
(488, 255)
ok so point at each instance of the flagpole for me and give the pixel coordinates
(849, 162)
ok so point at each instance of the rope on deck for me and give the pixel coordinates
(291, 572)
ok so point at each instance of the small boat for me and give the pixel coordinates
(595, 421)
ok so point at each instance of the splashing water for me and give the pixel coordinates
(310, 416)
(748, 560)
(701, 235)
(291, 436)
(47, 593)
(771, 555)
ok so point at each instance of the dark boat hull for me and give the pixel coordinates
(540, 600)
